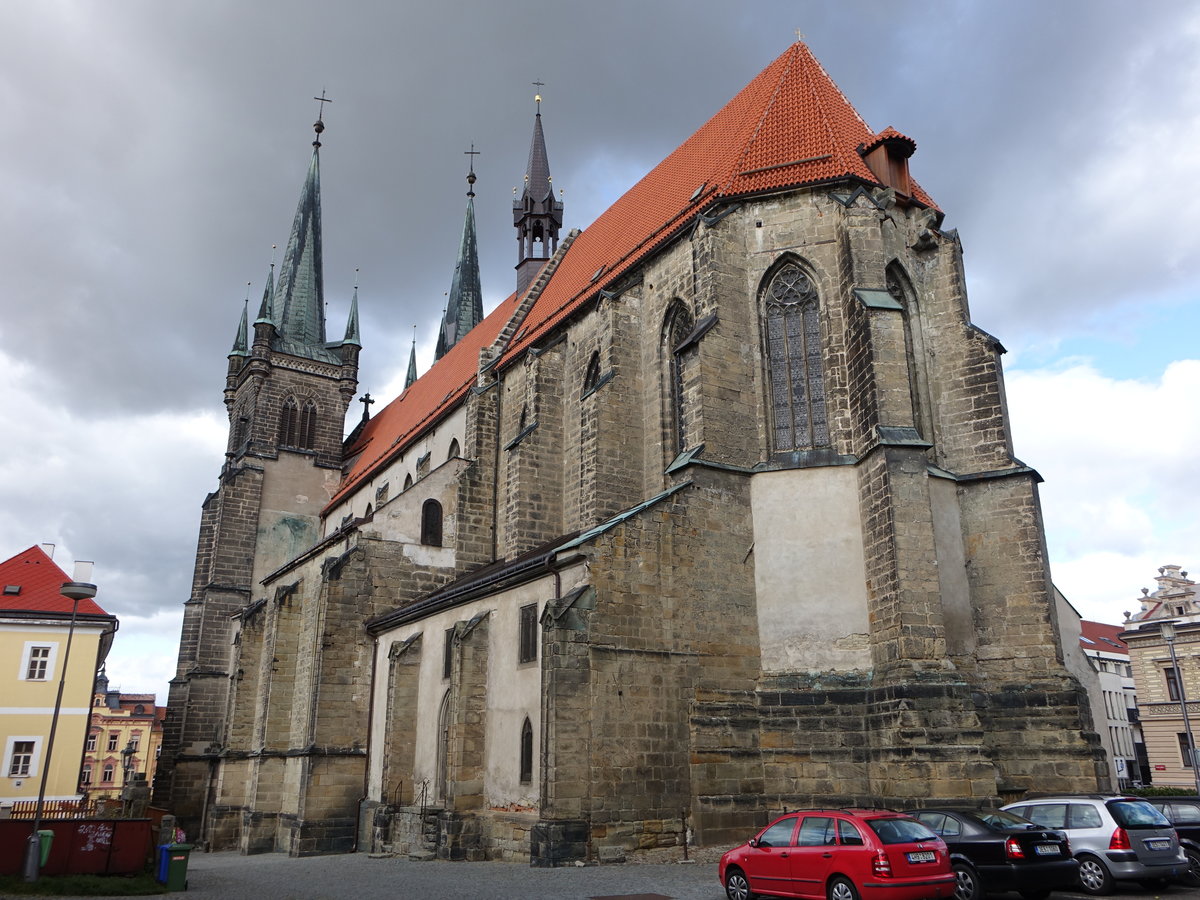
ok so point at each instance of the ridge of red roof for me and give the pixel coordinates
(791, 125)
(39, 579)
(1101, 633)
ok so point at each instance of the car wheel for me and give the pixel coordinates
(1192, 877)
(966, 886)
(737, 887)
(1034, 895)
(1094, 876)
(841, 889)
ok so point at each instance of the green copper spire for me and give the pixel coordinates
(241, 347)
(265, 313)
(352, 335)
(412, 363)
(299, 303)
(464, 310)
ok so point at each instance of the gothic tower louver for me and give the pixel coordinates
(286, 392)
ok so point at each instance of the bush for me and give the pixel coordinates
(82, 886)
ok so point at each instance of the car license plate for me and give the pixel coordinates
(1046, 850)
(920, 856)
(1157, 843)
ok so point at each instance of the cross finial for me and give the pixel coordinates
(472, 153)
(799, 35)
(319, 125)
(538, 96)
(366, 401)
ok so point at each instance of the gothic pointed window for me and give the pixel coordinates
(289, 423)
(431, 523)
(308, 426)
(592, 375)
(454, 452)
(408, 481)
(676, 327)
(795, 368)
(901, 290)
(526, 752)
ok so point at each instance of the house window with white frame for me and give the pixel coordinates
(20, 761)
(37, 661)
(21, 756)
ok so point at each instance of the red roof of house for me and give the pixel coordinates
(790, 126)
(38, 580)
(1099, 636)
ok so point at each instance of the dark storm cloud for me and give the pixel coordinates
(153, 153)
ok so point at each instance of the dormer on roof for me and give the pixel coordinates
(887, 155)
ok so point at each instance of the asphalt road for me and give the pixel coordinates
(228, 876)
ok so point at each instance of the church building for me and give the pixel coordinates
(716, 514)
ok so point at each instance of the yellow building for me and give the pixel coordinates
(35, 620)
(1164, 648)
(122, 741)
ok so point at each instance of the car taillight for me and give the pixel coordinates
(1120, 840)
(1066, 845)
(1012, 849)
(881, 866)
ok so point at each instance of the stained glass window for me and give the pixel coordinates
(796, 373)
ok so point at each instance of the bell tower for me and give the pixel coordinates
(287, 390)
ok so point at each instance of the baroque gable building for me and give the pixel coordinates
(716, 514)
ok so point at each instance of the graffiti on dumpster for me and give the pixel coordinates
(93, 836)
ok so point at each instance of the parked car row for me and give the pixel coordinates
(1033, 847)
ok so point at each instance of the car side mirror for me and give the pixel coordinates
(753, 842)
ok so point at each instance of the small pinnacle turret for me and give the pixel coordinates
(352, 332)
(464, 308)
(241, 346)
(412, 362)
(537, 216)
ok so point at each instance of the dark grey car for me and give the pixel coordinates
(1114, 837)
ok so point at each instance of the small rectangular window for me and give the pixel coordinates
(91, 743)
(1172, 683)
(39, 664)
(85, 776)
(22, 759)
(113, 737)
(529, 635)
(135, 741)
(1184, 751)
(448, 653)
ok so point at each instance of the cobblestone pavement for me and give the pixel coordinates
(229, 876)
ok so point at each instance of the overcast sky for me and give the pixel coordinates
(153, 152)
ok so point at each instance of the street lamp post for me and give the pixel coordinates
(127, 760)
(1168, 634)
(76, 590)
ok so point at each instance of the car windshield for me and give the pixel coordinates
(1137, 814)
(900, 830)
(1004, 821)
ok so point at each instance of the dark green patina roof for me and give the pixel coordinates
(240, 345)
(464, 310)
(298, 307)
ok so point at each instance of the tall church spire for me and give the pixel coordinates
(464, 309)
(537, 216)
(299, 303)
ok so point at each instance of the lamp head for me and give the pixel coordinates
(1167, 629)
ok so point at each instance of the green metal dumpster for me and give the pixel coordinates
(172, 865)
(45, 840)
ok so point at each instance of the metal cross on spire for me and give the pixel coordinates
(472, 153)
(319, 125)
(537, 98)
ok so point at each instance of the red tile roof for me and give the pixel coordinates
(790, 126)
(1102, 637)
(39, 579)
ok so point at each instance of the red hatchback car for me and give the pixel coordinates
(840, 854)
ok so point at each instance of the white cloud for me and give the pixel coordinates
(1118, 459)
